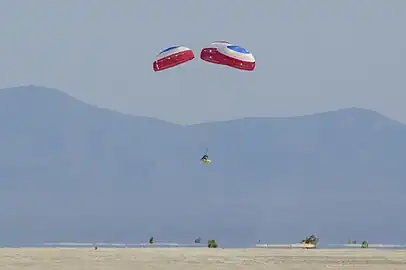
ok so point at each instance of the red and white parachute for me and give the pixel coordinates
(171, 57)
(211, 53)
(225, 53)
(219, 52)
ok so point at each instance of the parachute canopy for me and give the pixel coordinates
(171, 57)
(211, 54)
(238, 57)
(225, 53)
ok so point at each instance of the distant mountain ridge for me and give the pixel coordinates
(70, 171)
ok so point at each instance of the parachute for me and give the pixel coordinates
(211, 54)
(225, 53)
(171, 57)
(238, 57)
(218, 52)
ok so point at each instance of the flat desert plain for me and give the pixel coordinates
(199, 258)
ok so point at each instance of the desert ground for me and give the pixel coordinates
(199, 258)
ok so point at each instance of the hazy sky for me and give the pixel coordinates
(311, 55)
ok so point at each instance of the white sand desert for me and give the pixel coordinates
(199, 258)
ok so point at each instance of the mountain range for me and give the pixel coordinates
(70, 171)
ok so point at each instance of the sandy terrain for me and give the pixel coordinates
(199, 258)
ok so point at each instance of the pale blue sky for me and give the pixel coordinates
(311, 56)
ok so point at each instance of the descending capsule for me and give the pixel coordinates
(237, 57)
(211, 54)
(171, 57)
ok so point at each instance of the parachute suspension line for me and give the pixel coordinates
(205, 141)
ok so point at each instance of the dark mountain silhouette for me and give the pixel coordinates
(73, 172)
